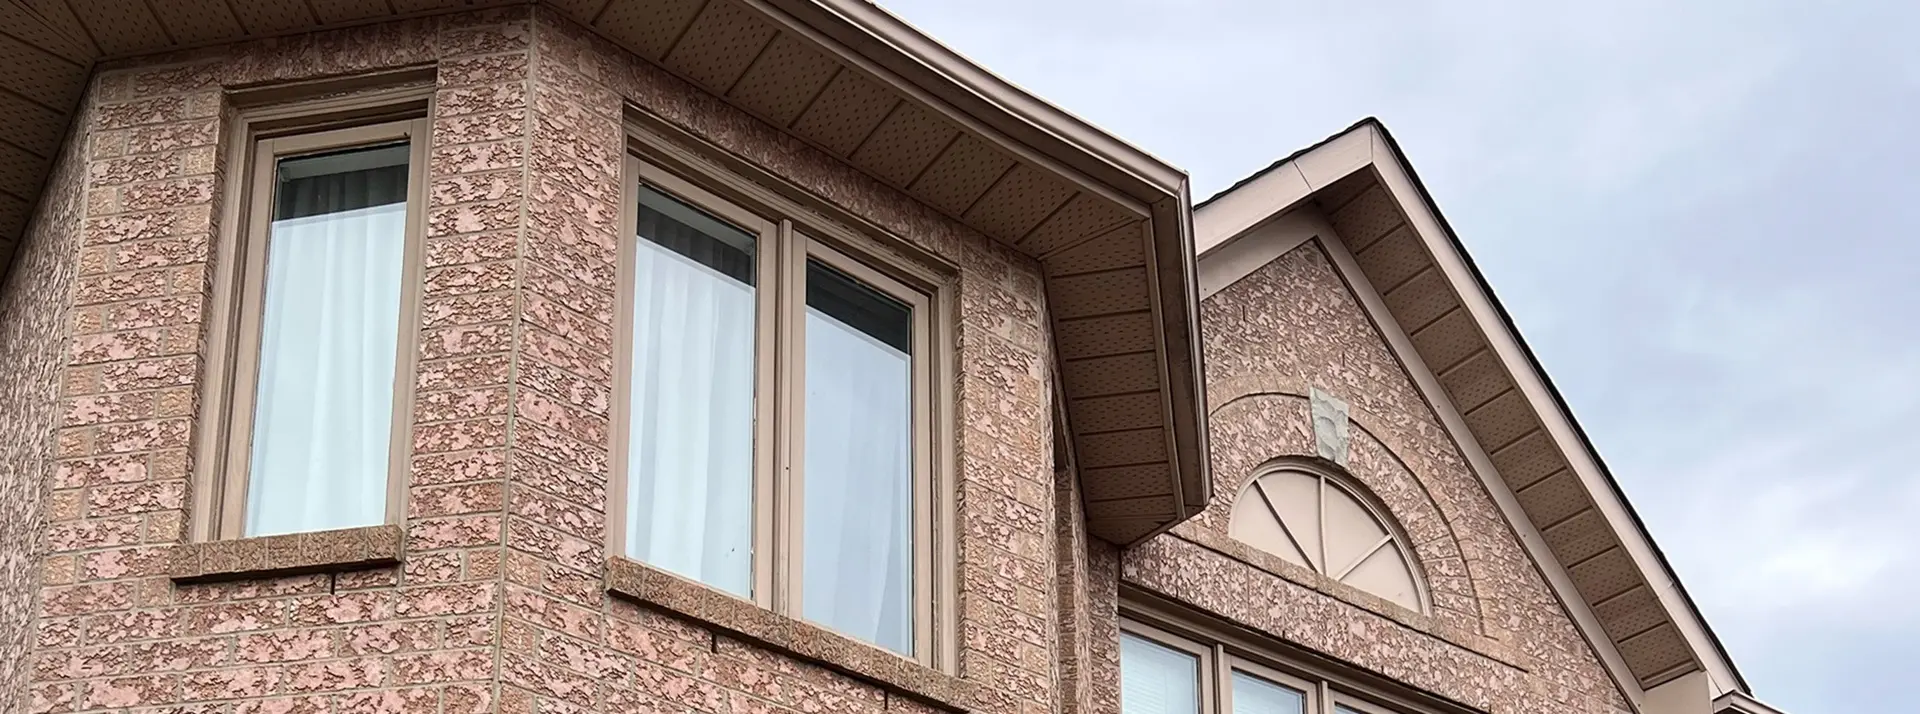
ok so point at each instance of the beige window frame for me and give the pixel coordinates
(790, 234)
(1223, 652)
(262, 136)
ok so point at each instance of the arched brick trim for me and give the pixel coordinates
(1253, 429)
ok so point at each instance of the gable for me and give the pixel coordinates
(1275, 330)
(1415, 281)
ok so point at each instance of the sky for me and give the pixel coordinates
(1704, 217)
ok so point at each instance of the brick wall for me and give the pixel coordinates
(500, 603)
(113, 630)
(1496, 637)
(33, 337)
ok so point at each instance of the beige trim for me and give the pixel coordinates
(1740, 703)
(259, 138)
(801, 234)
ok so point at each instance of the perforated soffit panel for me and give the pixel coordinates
(1109, 294)
(1425, 305)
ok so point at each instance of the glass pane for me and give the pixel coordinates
(690, 399)
(323, 405)
(1255, 524)
(1344, 709)
(1157, 679)
(1385, 573)
(858, 517)
(1296, 496)
(1253, 695)
(1351, 530)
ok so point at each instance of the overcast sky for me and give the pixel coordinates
(1705, 219)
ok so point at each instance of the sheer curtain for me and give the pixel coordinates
(1156, 679)
(323, 403)
(858, 516)
(690, 409)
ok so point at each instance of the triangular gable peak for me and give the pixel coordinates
(1356, 193)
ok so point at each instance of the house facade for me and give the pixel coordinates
(745, 356)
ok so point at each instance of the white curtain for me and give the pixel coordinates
(858, 576)
(690, 442)
(1156, 679)
(324, 403)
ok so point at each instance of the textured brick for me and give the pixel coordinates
(498, 602)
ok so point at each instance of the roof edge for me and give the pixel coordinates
(889, 41)
(1564, 410)
(1742, 703)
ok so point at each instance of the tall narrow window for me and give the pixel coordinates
(859, 457)
(690, 418)
(317, 403)
(773, 429)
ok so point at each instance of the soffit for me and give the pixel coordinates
(1358, 182)
(1116, 249)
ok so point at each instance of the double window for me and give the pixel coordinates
(313, 362)
(773, 413)
(1165, 673)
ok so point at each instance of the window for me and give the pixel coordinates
(1165, 673)
(774, 413)
(1313, 519)
(315, 312)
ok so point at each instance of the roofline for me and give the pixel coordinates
(1290, 158)
(885, 39)
(1559, 401)
(1741, 703)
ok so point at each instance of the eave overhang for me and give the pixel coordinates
(1741, 703)
(1110, 225)
(1493, 396)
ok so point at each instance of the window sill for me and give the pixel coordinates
(647, 585)
(289, 554)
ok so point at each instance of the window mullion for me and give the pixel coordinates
(788, 360)
(1221, 682)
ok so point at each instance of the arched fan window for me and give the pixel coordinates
(1316, 520)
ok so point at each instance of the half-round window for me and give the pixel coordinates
(1318, 521)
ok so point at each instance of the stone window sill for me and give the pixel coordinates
(647, 585)
(290, 554)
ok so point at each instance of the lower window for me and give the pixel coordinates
(1165, 673)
